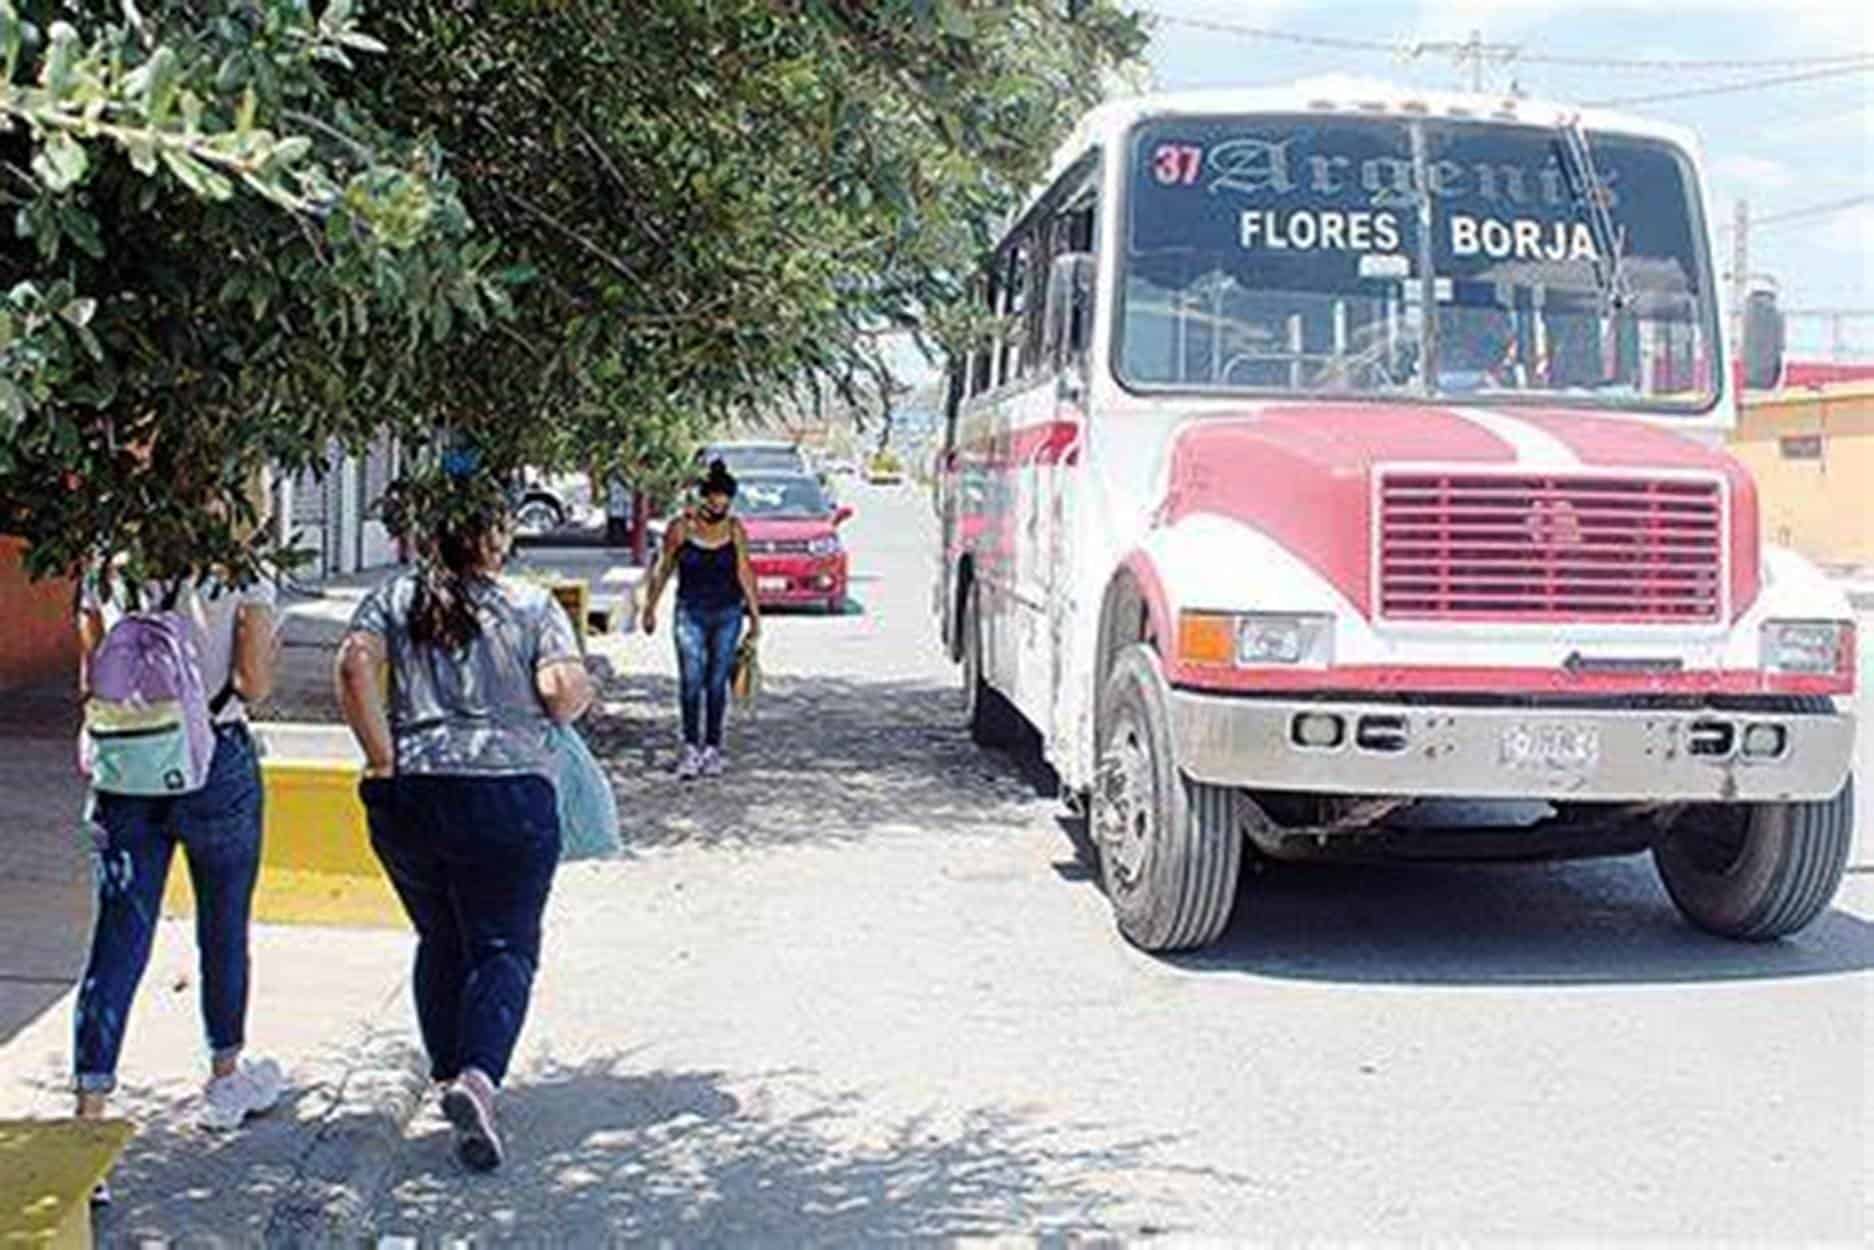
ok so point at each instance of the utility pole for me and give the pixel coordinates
(1474, 51)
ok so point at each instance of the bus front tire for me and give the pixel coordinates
(1170, 851)
(1757, 871)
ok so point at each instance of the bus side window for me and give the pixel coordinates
(982, 357)
(1015, 362)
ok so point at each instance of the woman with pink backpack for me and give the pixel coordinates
(165, 673)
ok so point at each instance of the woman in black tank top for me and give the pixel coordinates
(708, 552)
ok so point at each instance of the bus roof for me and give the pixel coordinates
(1342, 95)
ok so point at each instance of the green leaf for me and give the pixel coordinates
(162, 75)
(142, 152)
(61, 162)
(82, 228)
(196, 176)
(955, 19)
(11, 35)
(291, 151)
(61, 61)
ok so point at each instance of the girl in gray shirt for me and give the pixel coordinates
(459, 794)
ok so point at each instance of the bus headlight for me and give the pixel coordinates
(1249, 639)
(1807, 646)
(829, 545)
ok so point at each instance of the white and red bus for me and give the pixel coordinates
(1348, 482)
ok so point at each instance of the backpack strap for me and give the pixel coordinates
(222, 697)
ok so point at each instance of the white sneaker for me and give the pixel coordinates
(712, 762)
(689, 764)
(253, 1089)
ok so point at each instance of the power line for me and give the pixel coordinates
(1804, 214)
(1856, 60)
(1277, 36)
(1749, 84)
(1814, 210)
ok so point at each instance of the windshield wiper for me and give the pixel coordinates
(1610, 240)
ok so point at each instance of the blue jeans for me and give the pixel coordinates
(472, 858)
(219, 827)
(706, 643)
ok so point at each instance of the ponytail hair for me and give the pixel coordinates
(443, 613)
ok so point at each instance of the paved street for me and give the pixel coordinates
(864, 988)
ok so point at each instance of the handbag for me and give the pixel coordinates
(745, 675)
(588, 806)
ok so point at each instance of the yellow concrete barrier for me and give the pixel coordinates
(316, 862)
(574, 594)
(47, 1171)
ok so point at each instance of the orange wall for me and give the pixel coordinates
(1823, 507)
(37, 639)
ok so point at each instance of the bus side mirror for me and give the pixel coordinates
(1763, 342)
(1068, 330)
(842, 514)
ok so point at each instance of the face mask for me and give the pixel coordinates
(714, 513)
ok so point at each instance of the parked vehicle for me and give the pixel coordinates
(1299, 500)
(793, 541)
(884, 469)
(541, 504)
(753, 456)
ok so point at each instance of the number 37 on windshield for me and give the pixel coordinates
(1177, 164)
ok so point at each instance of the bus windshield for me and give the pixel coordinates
(1290, 254)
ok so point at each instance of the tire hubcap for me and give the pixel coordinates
(1124, 813)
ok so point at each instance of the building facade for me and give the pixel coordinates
(1810, 446)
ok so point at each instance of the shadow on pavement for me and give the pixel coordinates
(1581, 922)
(177, 1183)
(598, 1154)
(822, 761)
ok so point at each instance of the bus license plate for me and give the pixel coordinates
(1551, 748)
(771, 585)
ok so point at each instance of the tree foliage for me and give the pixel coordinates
(577, 233)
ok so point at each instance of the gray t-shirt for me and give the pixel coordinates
(476, 711)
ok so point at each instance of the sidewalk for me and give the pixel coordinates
(45, 885)
(331, 1005)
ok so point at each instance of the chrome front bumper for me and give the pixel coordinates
(1592, 755)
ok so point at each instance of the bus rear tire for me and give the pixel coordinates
(1757, 871)
(1170, 851)
(992, 719)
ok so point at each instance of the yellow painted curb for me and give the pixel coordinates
(316, 862)
(47, 1171)
(290, 896)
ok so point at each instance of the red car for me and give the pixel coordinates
(793, 541)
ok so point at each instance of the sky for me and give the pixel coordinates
(1781, 148)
